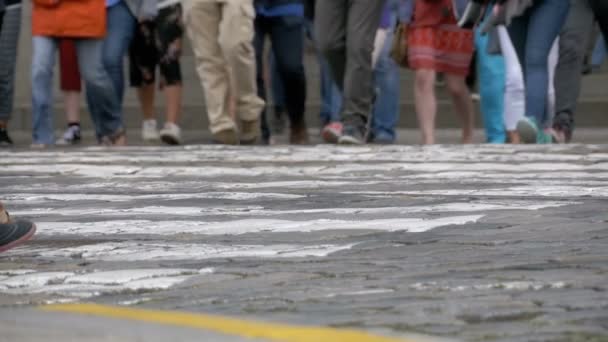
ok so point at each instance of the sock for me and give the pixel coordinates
(71, 124)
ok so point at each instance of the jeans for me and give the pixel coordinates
(121, 28)
(387, 83)
(533, 35)
(573, 40)
(599, 53)
(106, 114)
(331, 98)
(287, 48)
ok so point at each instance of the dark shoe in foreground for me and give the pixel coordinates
(352, 135)
(13, 233)
(5, 140)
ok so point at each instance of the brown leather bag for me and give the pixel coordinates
(399, 48)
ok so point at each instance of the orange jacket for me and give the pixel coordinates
(69, 18)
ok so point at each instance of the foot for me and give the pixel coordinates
(71, 136)
(250, 131)
(513, 137)
(299, 134)
(226, 137)
(331, 132)
(171, 134)
(149, 130)
(13, 233)
(561, 136)
(352, 135)
(528, 131)
(383, 139)
(5, 139)
(119, 138)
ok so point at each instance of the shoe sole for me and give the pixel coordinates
(330, 136)
(21, 240)
(348, 140)
(527, 132)
(170, 140)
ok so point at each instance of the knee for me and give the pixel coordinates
(235, 48)
(329, 45)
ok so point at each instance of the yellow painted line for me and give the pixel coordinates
(225, 325)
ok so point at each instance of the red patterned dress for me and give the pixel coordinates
(436, 42)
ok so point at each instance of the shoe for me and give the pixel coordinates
(171, 134)
(299, 134)
(250, 132)
(71, 136)
(119, 138)
(528, 131)
(226, 137)
(12, 234)
(331, 132)
(475, 97)
(352, 135)
(149, 130)
(562, 136)
(5, 140)
(383, 139)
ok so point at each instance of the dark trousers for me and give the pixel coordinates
(573, 43)
(287, 39)
(345, 32)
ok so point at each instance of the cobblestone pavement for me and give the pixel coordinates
(488, 243)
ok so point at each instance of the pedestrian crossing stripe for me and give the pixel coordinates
(227, 326)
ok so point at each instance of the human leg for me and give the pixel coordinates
(43, 61)
(425, 103)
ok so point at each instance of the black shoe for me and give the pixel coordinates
(5, 140)
(352, 135)
(13, 234)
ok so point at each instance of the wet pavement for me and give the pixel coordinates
(479, 243)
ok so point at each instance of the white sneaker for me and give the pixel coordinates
(149, 131)
(171, 134)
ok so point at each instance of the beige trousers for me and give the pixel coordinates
(221, 32)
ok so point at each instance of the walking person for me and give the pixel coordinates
(533, 27)
(283, 22)
(71, 86)
(158, 43)
(349, 28)
(222, 33)
(574, 38)
(84, 21)
(9, 40)
(438, 45)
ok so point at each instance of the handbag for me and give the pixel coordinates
(399, 47)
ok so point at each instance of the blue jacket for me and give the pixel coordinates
(279, 8)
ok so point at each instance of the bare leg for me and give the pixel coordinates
(426, 104)
(71, 100)
(463, 104)
(173, 100)
(145, 94)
